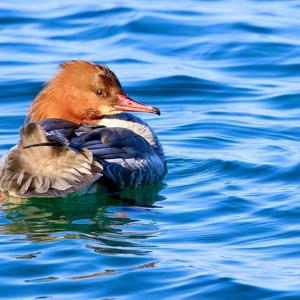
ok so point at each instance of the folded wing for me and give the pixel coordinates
(39, 166)
(127, 159)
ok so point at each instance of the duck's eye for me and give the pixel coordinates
(100, 92)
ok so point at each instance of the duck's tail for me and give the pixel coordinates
(39, 167)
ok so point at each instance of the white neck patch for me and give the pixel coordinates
(129, 121)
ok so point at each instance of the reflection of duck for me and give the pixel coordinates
(78, 134)
(100, 219)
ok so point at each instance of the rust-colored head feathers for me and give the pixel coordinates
(83, 92)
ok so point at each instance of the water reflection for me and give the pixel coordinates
(107, 224)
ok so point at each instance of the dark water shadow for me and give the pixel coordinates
(113, 223)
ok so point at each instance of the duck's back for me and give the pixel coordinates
(56, 157)
(125, 146)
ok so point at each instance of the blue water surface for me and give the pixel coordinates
(225, 224)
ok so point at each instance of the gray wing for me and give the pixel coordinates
(36, 167)
(127, 159)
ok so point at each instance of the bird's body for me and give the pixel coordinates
(78, 134)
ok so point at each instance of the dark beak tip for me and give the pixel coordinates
(157, 111)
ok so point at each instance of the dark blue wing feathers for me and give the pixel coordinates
(59, 130)
(108, 143)
(58, 127)
(127, 158)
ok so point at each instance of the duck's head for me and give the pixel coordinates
(83, 92)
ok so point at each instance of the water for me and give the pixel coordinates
(225, 223)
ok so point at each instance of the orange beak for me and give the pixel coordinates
(127, 104)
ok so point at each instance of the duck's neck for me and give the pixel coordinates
(132, 122)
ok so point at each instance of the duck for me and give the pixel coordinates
(79, 133)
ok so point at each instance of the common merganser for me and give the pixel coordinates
(78, 133)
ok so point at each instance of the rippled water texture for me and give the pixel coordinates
(225, 224)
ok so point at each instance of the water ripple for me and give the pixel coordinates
(225, 221)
